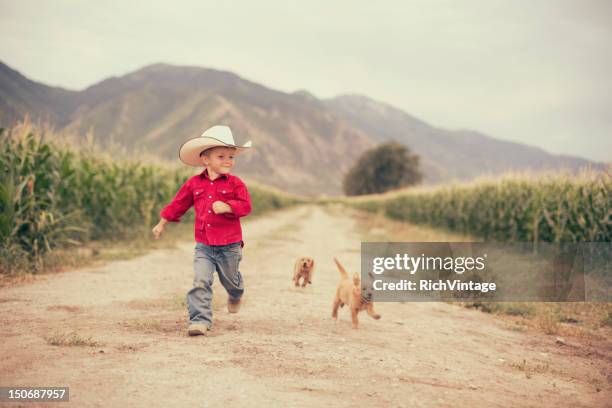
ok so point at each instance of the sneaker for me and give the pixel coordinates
(233, 306)
(196, 329)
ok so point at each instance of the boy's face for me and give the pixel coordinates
(219, 159)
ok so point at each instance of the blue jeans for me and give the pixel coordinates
(222, 258)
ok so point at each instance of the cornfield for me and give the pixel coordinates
(52, 197)
(559, 208)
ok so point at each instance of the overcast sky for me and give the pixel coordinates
(536, 72)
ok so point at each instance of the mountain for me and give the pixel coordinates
(302, 144)
(447, 154)
(20, 96)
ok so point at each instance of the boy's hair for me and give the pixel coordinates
(207, 152)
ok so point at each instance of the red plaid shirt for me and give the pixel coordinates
(201, 192)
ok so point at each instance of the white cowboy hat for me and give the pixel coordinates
(189, 153)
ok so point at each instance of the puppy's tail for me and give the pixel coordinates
(343, 272)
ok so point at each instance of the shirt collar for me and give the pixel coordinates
(204, 175)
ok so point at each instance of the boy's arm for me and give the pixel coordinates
(183, 200)
(241, 205)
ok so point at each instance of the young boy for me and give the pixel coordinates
(219, 200)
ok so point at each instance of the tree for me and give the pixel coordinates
(386, 167)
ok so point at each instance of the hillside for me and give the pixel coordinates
(20, 96)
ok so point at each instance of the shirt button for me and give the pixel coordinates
(208, 225)
(211, 183)
(197, 192)
(209, 211)
(209, 196)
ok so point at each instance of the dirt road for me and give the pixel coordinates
(282, 349)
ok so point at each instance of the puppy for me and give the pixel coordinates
(349, 292)
(303, 269)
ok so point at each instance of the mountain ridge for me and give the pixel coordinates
(303, 144)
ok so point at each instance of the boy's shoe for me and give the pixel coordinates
(233, 305)
(197, 329)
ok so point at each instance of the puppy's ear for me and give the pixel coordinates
(356, 280)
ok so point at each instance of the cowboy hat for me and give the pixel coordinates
(189, 153)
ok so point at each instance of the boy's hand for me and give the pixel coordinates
(158, 230)
(219, 207)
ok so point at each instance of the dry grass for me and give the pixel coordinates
(572, 319)
(71, 340)
(606, 320)
(143, 325)
(530, 368)
(548, 322)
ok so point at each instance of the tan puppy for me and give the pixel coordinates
(303, 269)
(349, 292)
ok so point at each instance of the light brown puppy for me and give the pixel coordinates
(303, 269)
(349, 292)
